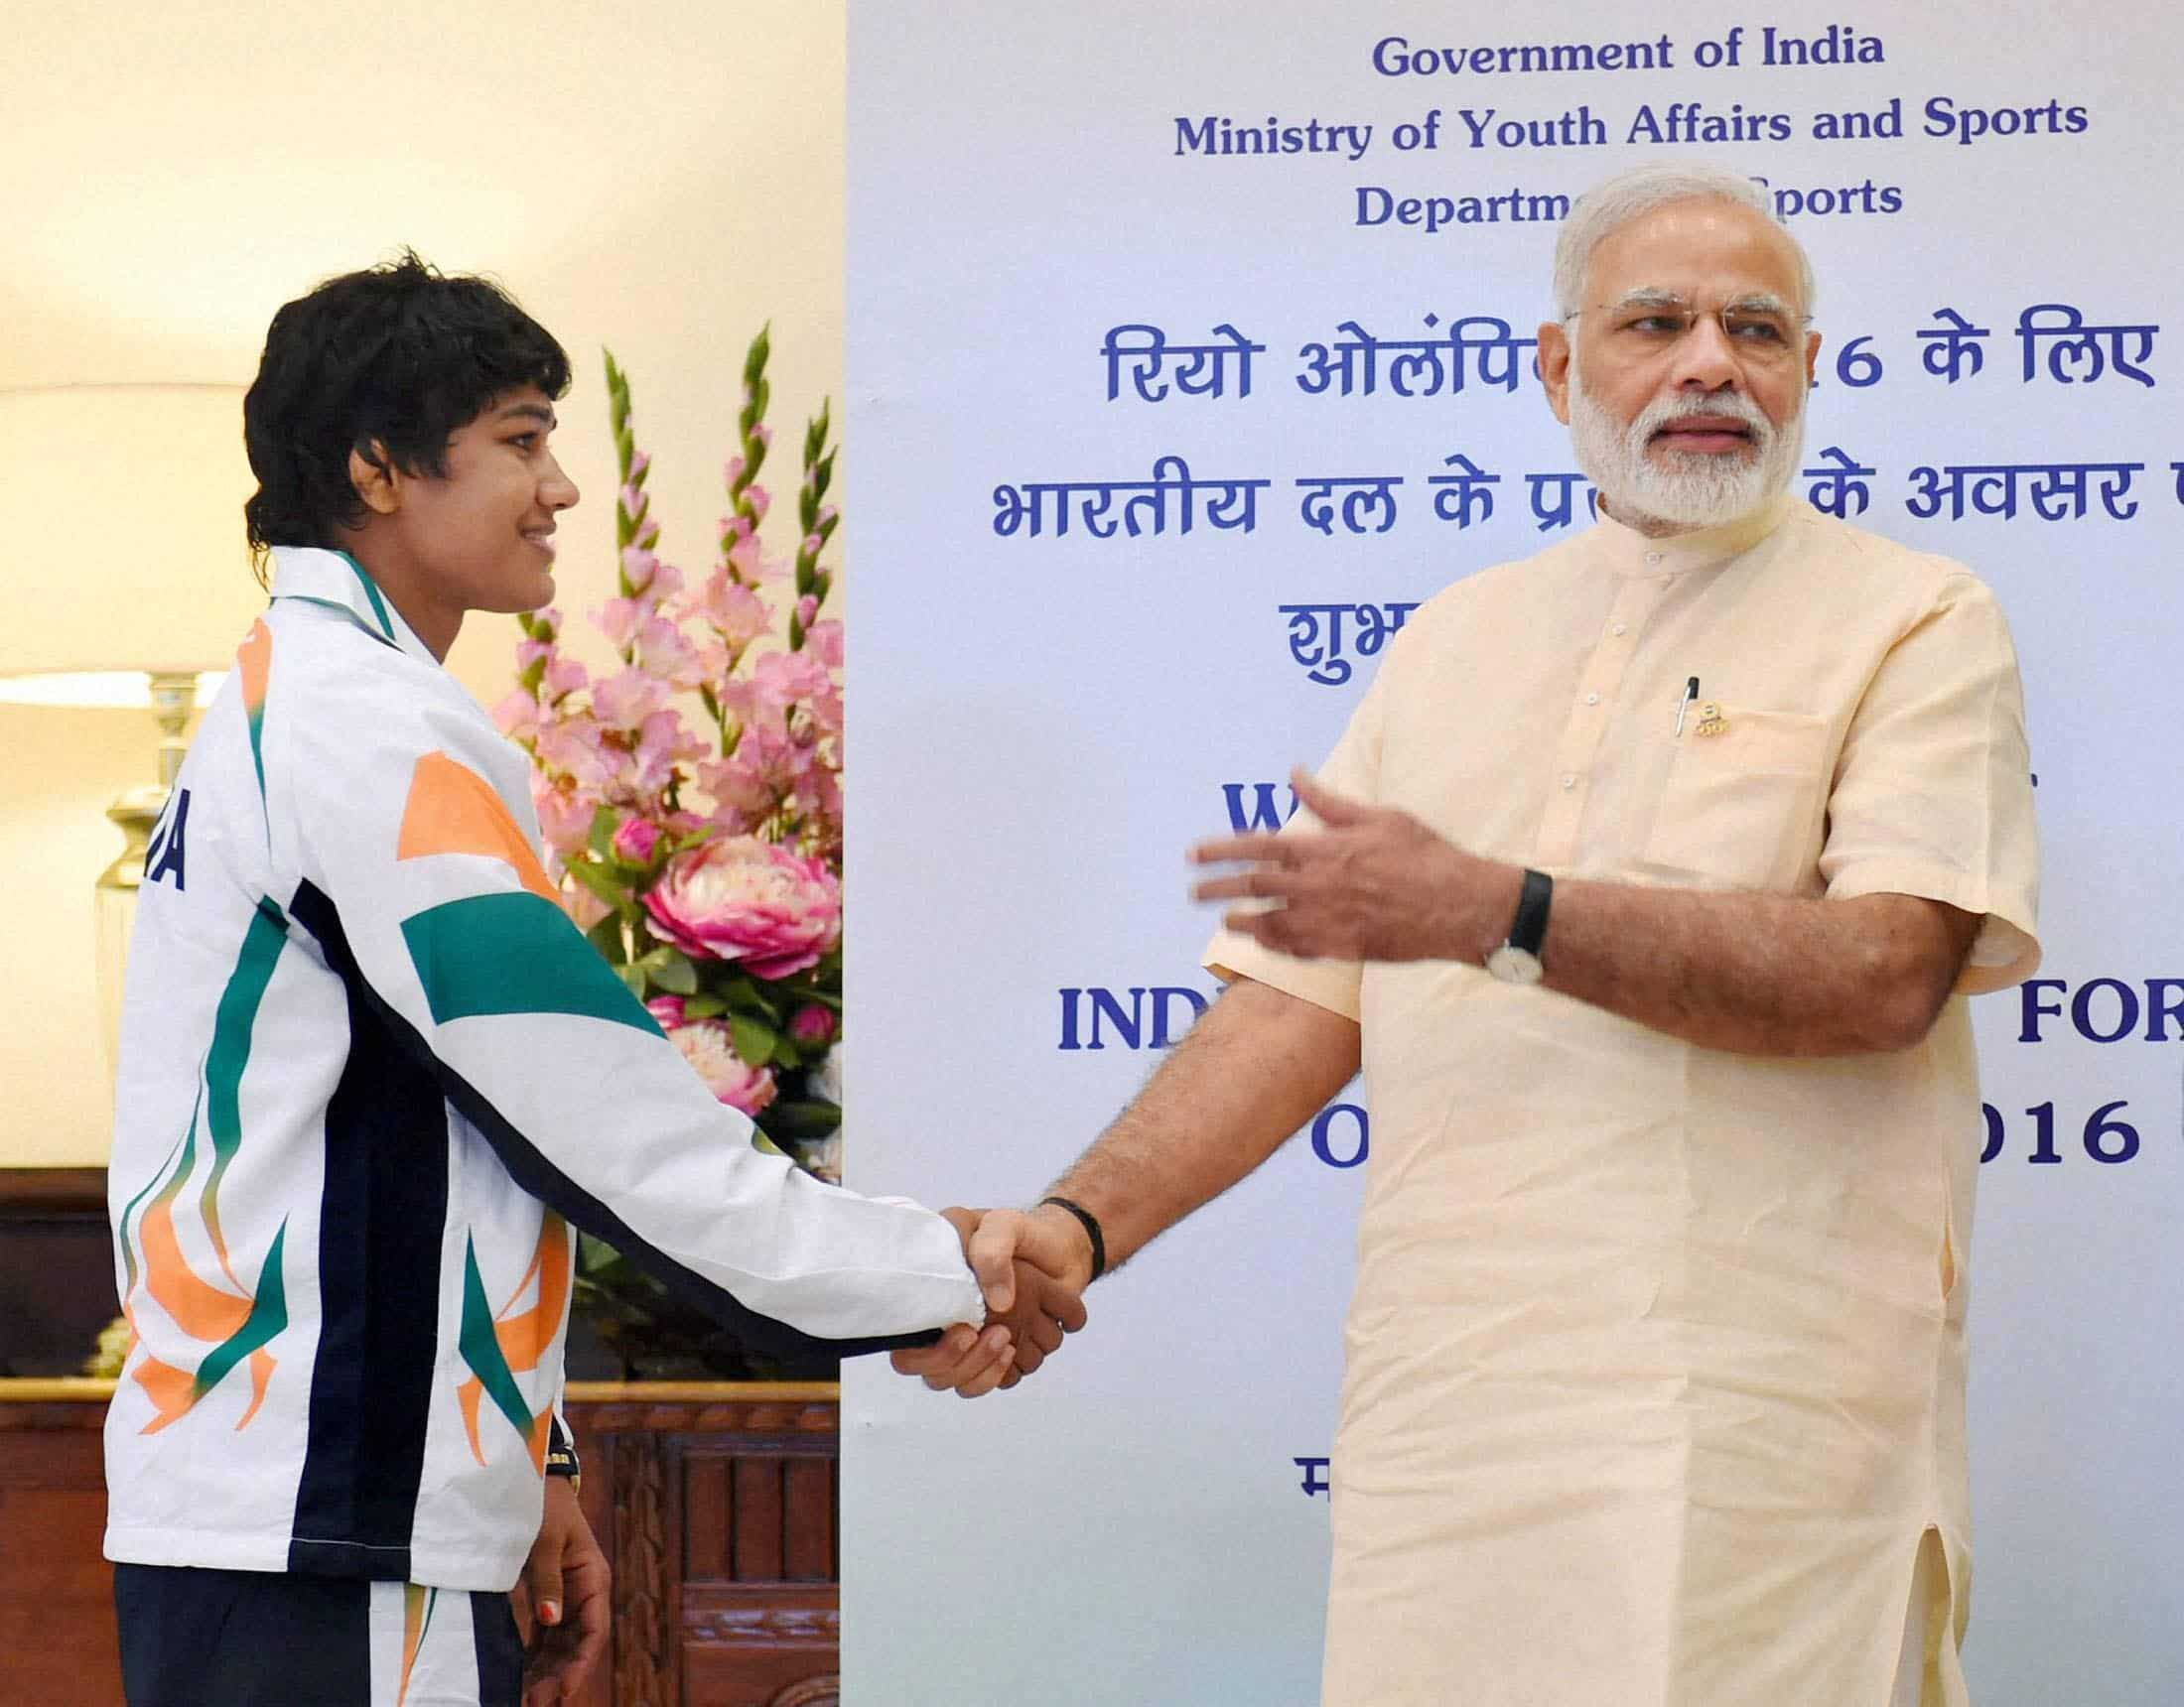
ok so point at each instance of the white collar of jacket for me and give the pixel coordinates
(334, 578)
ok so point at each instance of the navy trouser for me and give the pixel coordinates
(193, 1637)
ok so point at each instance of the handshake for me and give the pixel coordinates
(1032, 1266)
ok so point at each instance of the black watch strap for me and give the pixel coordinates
(1529, 929)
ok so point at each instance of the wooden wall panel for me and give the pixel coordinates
(57, 1591)
(715, 1504)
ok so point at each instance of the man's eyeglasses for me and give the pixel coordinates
(1761, 329)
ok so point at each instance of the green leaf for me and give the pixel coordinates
(673, 971)
(754, 360)
(703, 1007)
(601, 882)
(634, 977)
(804, 1121)
(766, 1146)
(754, 1038)
(601, 836)
(785, 1053)
(744, 995)
(607, 937)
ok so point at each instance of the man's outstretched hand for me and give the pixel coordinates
(1033, 1274)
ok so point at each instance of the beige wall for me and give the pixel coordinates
(657, 178)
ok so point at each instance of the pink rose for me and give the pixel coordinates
(741, 899)
(635, 840)
(812, 1024)
(668, 1009)
(706, 1045)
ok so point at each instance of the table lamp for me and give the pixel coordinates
(127, 583)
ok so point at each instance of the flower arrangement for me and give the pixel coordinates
(691, 800)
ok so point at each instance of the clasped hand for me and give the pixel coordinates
(1033, 1272)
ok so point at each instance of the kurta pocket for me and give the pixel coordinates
(1743, 800)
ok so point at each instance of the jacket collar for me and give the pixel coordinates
(335, 579)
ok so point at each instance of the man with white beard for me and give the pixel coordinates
(1645, 884)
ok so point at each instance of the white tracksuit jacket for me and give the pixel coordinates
(370, 1074)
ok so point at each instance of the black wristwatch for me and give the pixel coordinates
(1517, 961)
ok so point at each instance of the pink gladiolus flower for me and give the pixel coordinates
(665, 651)
(827, 513)
(565, 815)
(564, 676)
(516, 716)
(824, 641)
(663, 743)
(733, 471)
(572, 747)
(741, 899)
(813, 544)
(624, 699)
(638, 565)
(764, 434)
(812, 1024)
(639, 463)
(806, 608)
(618, 620)
(734, 611)
(546, 624)
(529, 652)
(668, 1009)
(635, 840)
(741, 795)
(706, 1046)
(758, 499)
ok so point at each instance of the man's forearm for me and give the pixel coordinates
(1759, 973)
(1255, 1068)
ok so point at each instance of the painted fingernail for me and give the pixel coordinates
(549, 1612)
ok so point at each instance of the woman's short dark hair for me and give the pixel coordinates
(389, 362)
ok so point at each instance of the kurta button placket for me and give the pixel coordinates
(1577, 753)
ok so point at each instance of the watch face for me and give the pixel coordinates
(1515, 965)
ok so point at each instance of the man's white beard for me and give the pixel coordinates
(1688, 489)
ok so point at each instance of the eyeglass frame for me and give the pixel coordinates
(1667, 302)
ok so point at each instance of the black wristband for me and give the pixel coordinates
(561, 1454)
(1091, 1231)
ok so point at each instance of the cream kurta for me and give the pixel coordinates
(1656, 1362)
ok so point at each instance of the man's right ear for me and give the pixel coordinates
(1554, 356)
(376, 482)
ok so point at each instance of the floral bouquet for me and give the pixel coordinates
(691, 803)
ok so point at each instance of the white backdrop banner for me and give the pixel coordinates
(1190, 348)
